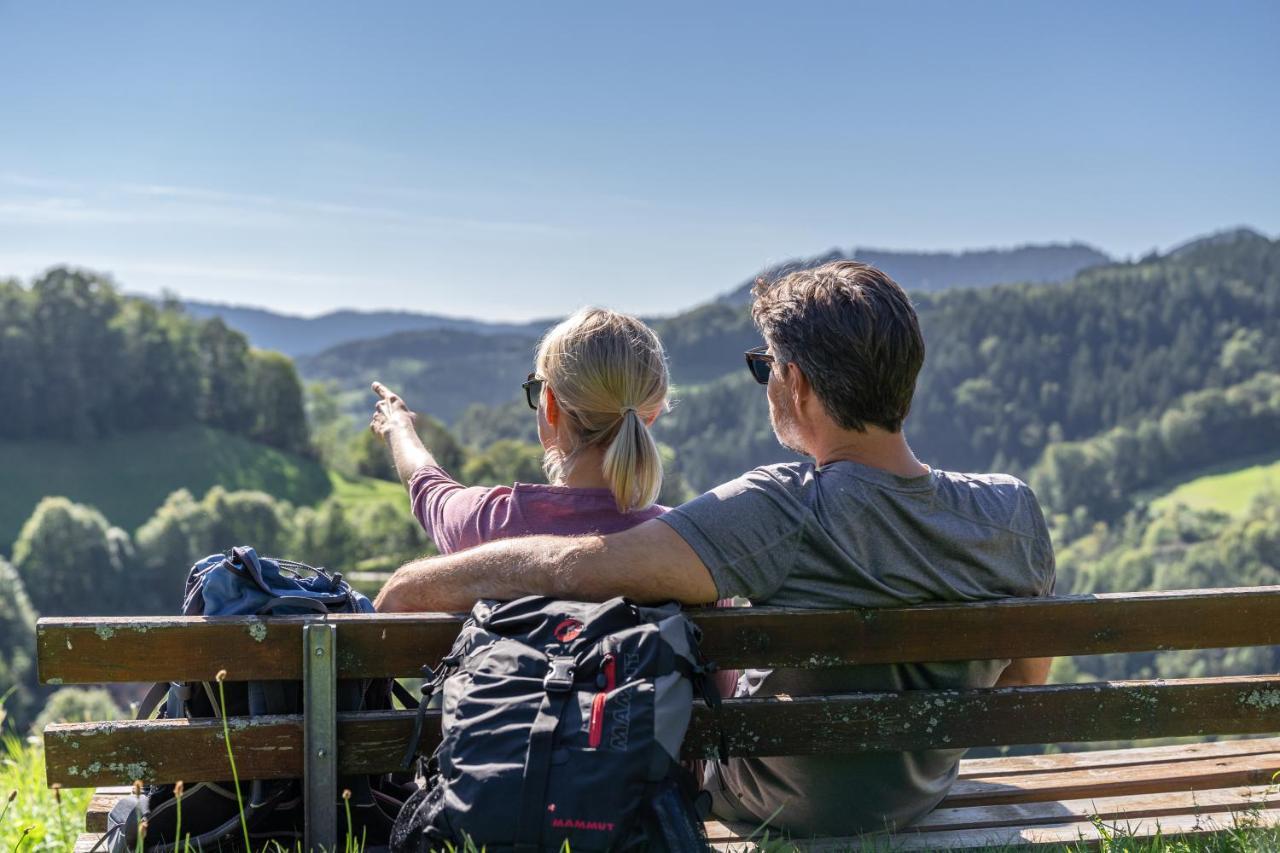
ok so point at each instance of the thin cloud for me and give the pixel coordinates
(60, 211)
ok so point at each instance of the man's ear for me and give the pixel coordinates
(801, 390)
(552, 405)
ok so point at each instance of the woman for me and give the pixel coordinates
(600, 381)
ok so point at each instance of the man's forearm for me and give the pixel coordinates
(504, 570)
(648, 563)
(408, 452)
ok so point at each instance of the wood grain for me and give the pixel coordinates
(84, 650)
(86, 754)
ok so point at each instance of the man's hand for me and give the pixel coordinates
(390, 412)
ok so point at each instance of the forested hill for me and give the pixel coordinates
(937, 271)
(1014, 368)
(79, 361)
(1010, 369)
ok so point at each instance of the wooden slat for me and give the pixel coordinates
(1199, 774)
(991, 769)
(1001, 838)
(86, 842)
(1181, 801)
(82, 650)
(1112, 810)
(268, 747)
(100, 805)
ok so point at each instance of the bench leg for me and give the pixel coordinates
(320, 735)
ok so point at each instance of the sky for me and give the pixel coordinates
(518, 160)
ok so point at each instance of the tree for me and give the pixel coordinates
(373, 459)
(503, 463)
(77, 705)
(17, 646)
(72, 561)
(279, 413)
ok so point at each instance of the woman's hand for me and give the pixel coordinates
(393, 422)
(390, 413)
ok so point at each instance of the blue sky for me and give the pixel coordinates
(512, 160)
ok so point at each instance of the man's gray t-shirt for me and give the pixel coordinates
(849, 536)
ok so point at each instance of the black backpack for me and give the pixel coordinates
(241, 583)
(562, 722)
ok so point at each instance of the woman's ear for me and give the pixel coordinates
(649, 420)
(552, 406)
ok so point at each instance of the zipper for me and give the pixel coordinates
(595, 731)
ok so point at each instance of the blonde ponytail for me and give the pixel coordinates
(609, 374)
(632, 464)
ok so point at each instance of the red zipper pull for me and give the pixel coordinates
(595, 731)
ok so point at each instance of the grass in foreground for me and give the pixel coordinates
(35, 819)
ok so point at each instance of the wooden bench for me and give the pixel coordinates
(1202, 787)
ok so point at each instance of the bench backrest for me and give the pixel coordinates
(83, 650)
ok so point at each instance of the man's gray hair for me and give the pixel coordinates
(853, 333)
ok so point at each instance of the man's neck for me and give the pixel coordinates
(875, 448)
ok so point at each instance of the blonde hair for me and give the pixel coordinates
(609, 373)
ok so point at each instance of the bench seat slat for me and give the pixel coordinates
(1036, 836)
(1195, 774)
(1177, 801)
(82, 650)
(269, 747)
(993, 768)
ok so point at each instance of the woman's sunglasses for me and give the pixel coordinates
(533, 390)
(760, 363)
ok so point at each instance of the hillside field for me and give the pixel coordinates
(128, 476)
(1225, 491)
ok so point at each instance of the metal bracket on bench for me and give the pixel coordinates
(320, 734)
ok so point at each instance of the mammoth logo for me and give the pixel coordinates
(568, 630)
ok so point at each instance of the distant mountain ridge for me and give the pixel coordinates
(935, 271)
(299, 336)
(916, 271)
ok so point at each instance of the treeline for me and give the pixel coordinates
(1098, 478)
(69, 560)
(494, 446)
(1010, 370)
(1174, 548)
(78, 360)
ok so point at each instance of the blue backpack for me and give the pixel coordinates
(240, 583)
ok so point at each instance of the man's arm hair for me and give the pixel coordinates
(648, 563)
(1025, 672)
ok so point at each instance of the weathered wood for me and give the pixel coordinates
(991, 769)
(100, 805)
(1084, 833)
(1108, 808)
(82, 650)
(1199, 774)
(86, 842)
(84, 754)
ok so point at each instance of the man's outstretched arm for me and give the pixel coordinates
(648, 563)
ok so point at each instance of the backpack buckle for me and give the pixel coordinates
(560, 676)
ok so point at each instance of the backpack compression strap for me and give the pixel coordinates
(537, 763)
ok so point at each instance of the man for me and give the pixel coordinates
(868, 525)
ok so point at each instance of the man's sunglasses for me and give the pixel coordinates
(760, 363)
(533, 390)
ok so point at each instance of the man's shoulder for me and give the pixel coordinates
(998, 498)
(1001, 483)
